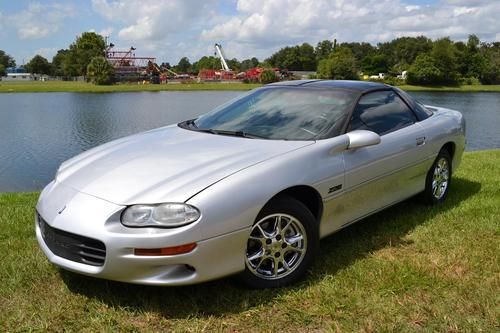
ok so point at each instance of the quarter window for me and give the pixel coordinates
(381, 112)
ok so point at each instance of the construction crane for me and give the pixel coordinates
(154, 69)
(218, 51)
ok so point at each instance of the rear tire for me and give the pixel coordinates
(438, 179)
(281, 246)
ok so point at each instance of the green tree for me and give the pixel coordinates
(402, 52)
(6, 60)
(3, 72)
(294, 58)
(233, 64)
(323, 49)
(100, 71)
(471, 62)
(340, 65)
(360, 50)
(491, 70)
(38, 65)
(307, 57)
(206, 63)
(86, 47)
(58, 62)
(424, 71)
(184, 66)
(249, 63)
(443, 54)
(374, 64)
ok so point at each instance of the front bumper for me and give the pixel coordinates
(66, 209)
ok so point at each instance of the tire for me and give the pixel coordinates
(437, 183)
(281, 246)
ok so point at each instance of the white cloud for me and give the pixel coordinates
(263, 26)
(153, 19)
(106, 31)
(46, 52)
(39, 21)
(167, 29)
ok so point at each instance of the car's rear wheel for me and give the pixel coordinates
(438, 179)
(281, 245)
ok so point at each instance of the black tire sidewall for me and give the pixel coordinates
(427, 194)
(295, 208)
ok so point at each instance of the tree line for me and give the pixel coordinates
(427, 62)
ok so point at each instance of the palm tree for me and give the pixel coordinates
(100, 71)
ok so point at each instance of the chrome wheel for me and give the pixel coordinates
(276, 247)
(440, 178)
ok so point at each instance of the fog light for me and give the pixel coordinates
(166, 251)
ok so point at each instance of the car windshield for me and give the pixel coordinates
(280, 113)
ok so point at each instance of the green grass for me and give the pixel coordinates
(71, 86)
(411, 268)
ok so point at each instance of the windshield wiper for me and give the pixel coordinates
(192, 125)
(240, 134)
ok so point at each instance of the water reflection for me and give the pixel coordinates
(40, 130)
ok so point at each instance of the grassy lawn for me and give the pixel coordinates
(69, 86)
(411, 268)
(73, 86)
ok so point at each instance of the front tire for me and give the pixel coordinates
(438, 179)
(281, 245)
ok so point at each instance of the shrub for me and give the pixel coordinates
(268, 76)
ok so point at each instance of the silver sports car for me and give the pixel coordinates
(249, 187)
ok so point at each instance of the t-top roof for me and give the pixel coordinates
(344, 84)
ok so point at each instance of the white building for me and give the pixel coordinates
(25, 77)
(18, 77)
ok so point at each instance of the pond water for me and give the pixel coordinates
(40, 130)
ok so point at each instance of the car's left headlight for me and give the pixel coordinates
(163, 215)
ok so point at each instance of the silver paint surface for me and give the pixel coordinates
(229, 179)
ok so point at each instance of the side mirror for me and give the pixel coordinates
(362, 138)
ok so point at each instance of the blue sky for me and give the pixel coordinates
(170, 29)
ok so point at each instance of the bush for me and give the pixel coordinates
(469, 81)
(268, 76)
(393, 81)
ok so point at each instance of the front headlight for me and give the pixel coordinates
(163, 215)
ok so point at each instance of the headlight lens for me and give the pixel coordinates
(163, 215)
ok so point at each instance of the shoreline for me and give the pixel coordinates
(84, 87)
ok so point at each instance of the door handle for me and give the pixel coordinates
(420, 141)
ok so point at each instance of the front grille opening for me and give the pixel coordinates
(71, 246)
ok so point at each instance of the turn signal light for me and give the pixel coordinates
(166, 251)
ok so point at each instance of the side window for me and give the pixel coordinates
(381, 112)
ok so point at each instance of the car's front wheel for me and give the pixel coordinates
(281, 245)
(438, 179)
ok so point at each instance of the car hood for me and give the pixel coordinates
(169, 164)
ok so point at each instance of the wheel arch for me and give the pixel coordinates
(309, 196)
(450, 147)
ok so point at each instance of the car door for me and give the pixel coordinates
(380, 175)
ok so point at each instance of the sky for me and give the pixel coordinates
(171, 29)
